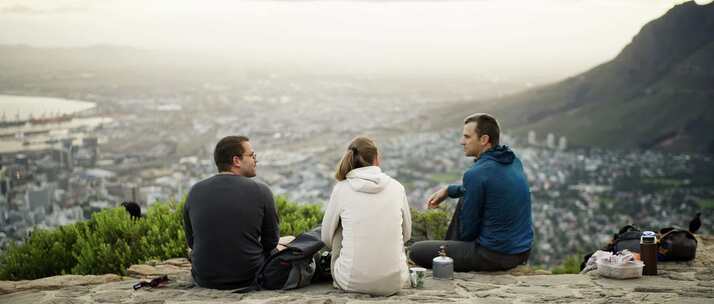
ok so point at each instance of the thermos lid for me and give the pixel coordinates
(648, 237)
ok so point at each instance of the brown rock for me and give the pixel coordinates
(142, 270)
(179, 262)
(57, 282)
(7, 287)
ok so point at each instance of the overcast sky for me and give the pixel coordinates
(554, 37)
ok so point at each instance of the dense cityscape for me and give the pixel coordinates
(154, 148)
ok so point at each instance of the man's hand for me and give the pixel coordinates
(284, 242)
(435, 199)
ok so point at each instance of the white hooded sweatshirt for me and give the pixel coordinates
(366, 223)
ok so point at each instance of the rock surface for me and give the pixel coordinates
(681, 282)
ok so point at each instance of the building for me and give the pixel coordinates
(550, 141)
(532, 138)
(562, 143)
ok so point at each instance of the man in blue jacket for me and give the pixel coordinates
(492, 227)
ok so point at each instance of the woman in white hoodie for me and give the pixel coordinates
(366, 223)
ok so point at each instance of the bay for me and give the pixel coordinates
(14, 108)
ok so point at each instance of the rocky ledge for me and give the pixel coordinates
(690, 282)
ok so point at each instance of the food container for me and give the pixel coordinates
(629, 270)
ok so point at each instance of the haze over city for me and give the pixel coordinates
(542, 40)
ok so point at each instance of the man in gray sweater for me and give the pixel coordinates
(230, 220)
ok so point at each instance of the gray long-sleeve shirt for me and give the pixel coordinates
(231, 224)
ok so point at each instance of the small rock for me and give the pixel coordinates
(142, 270)
(179, 262)
(7, 287)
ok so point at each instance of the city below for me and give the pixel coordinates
(59, 168)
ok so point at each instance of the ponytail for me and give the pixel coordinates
(361, 152)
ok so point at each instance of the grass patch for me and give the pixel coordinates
(570, 265)
(706, 203)
(445, 177)
(666, 182)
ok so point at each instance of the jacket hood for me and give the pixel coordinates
(501, 154)
(368, 179)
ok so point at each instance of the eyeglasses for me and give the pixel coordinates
(153, 283)
(252, 154)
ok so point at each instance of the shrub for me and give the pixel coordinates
(296, 219)
(111, 241)
(165, 236)
(430, 224)
(571, 264)
(46, 253)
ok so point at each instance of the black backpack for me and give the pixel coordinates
(677, 245)
(293, 267)
(627, 238)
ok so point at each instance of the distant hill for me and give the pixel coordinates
(657, 93)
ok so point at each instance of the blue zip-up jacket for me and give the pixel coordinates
(497, 203)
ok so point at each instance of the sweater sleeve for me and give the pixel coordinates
(331, 219)
(187, 229)
(270, 230)
(471, 215)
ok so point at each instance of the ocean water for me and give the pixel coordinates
(22, 107)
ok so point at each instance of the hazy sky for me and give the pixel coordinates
(553, 37)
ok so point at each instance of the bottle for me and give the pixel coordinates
(648, 252)
(443, 266)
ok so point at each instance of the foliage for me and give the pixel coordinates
(571, 264)
(296, 219)
(46, 253)
(430, 224)
(706, 203)
(111, 241)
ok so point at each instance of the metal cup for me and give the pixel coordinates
(416, 277)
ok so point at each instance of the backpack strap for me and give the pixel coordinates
(249, 288)
(628, 228)
(669, 232)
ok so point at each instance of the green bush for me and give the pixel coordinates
(571, 264)
(296, 219)
(46, 253)
(108, 243)
(430, 224)
(111, 241)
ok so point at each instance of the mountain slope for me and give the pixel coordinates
(657, 93)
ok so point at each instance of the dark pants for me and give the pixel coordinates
(468, 256)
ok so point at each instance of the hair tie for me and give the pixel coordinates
(354, 150)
